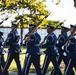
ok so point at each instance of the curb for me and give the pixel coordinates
(14, 73)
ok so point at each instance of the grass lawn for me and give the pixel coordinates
(13, 67)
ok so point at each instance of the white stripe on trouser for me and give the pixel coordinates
(0, 60)
(57, 58)
(27, 64)
(53, 72)
(44, 64)
(67, 67)
(6, 62)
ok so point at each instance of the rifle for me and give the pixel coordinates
(52, 31)
(29, 33)
(70, 36)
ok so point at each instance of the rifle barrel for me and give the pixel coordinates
(29, 33)
(52, 31)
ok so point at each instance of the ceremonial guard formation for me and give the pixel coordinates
(56, 50)
(63, 37)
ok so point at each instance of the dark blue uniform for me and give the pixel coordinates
(61, 41)
(72, 55)
(2, 62)
(51, 54)
(14, 50)
(63, 54)
(33, 51)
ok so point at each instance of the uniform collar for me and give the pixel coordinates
(35, 32)
(51, 33)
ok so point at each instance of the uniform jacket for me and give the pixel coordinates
(12, 42)
(33, 44)
(72, 47)
(1, 44)
(50, 45)
(62, 40)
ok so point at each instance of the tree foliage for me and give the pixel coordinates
(36, 8)
(75, 3)
(35, 11)
(49, 22)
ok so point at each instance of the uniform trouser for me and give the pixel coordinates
(35, 59)
(10, 57)
(0, 64)
(3, 63)
(60, 58)
(70, 64)
(47, 60)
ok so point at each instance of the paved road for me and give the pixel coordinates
(13, 73)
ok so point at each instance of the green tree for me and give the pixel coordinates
(49, 22)
(75, 3)
(36, 11)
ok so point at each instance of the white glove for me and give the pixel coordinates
(57, 42)
(62, 47)
(23, 41)
(42, 53)
(3, 43)
(64, 54)
(27, 54)
(7, 51)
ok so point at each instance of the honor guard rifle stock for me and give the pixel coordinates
(29, 33)
(52, 31)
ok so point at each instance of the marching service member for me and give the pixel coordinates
(71, 47)
(51, 51)
(2, 62)
(33, 51)
(14, 49)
